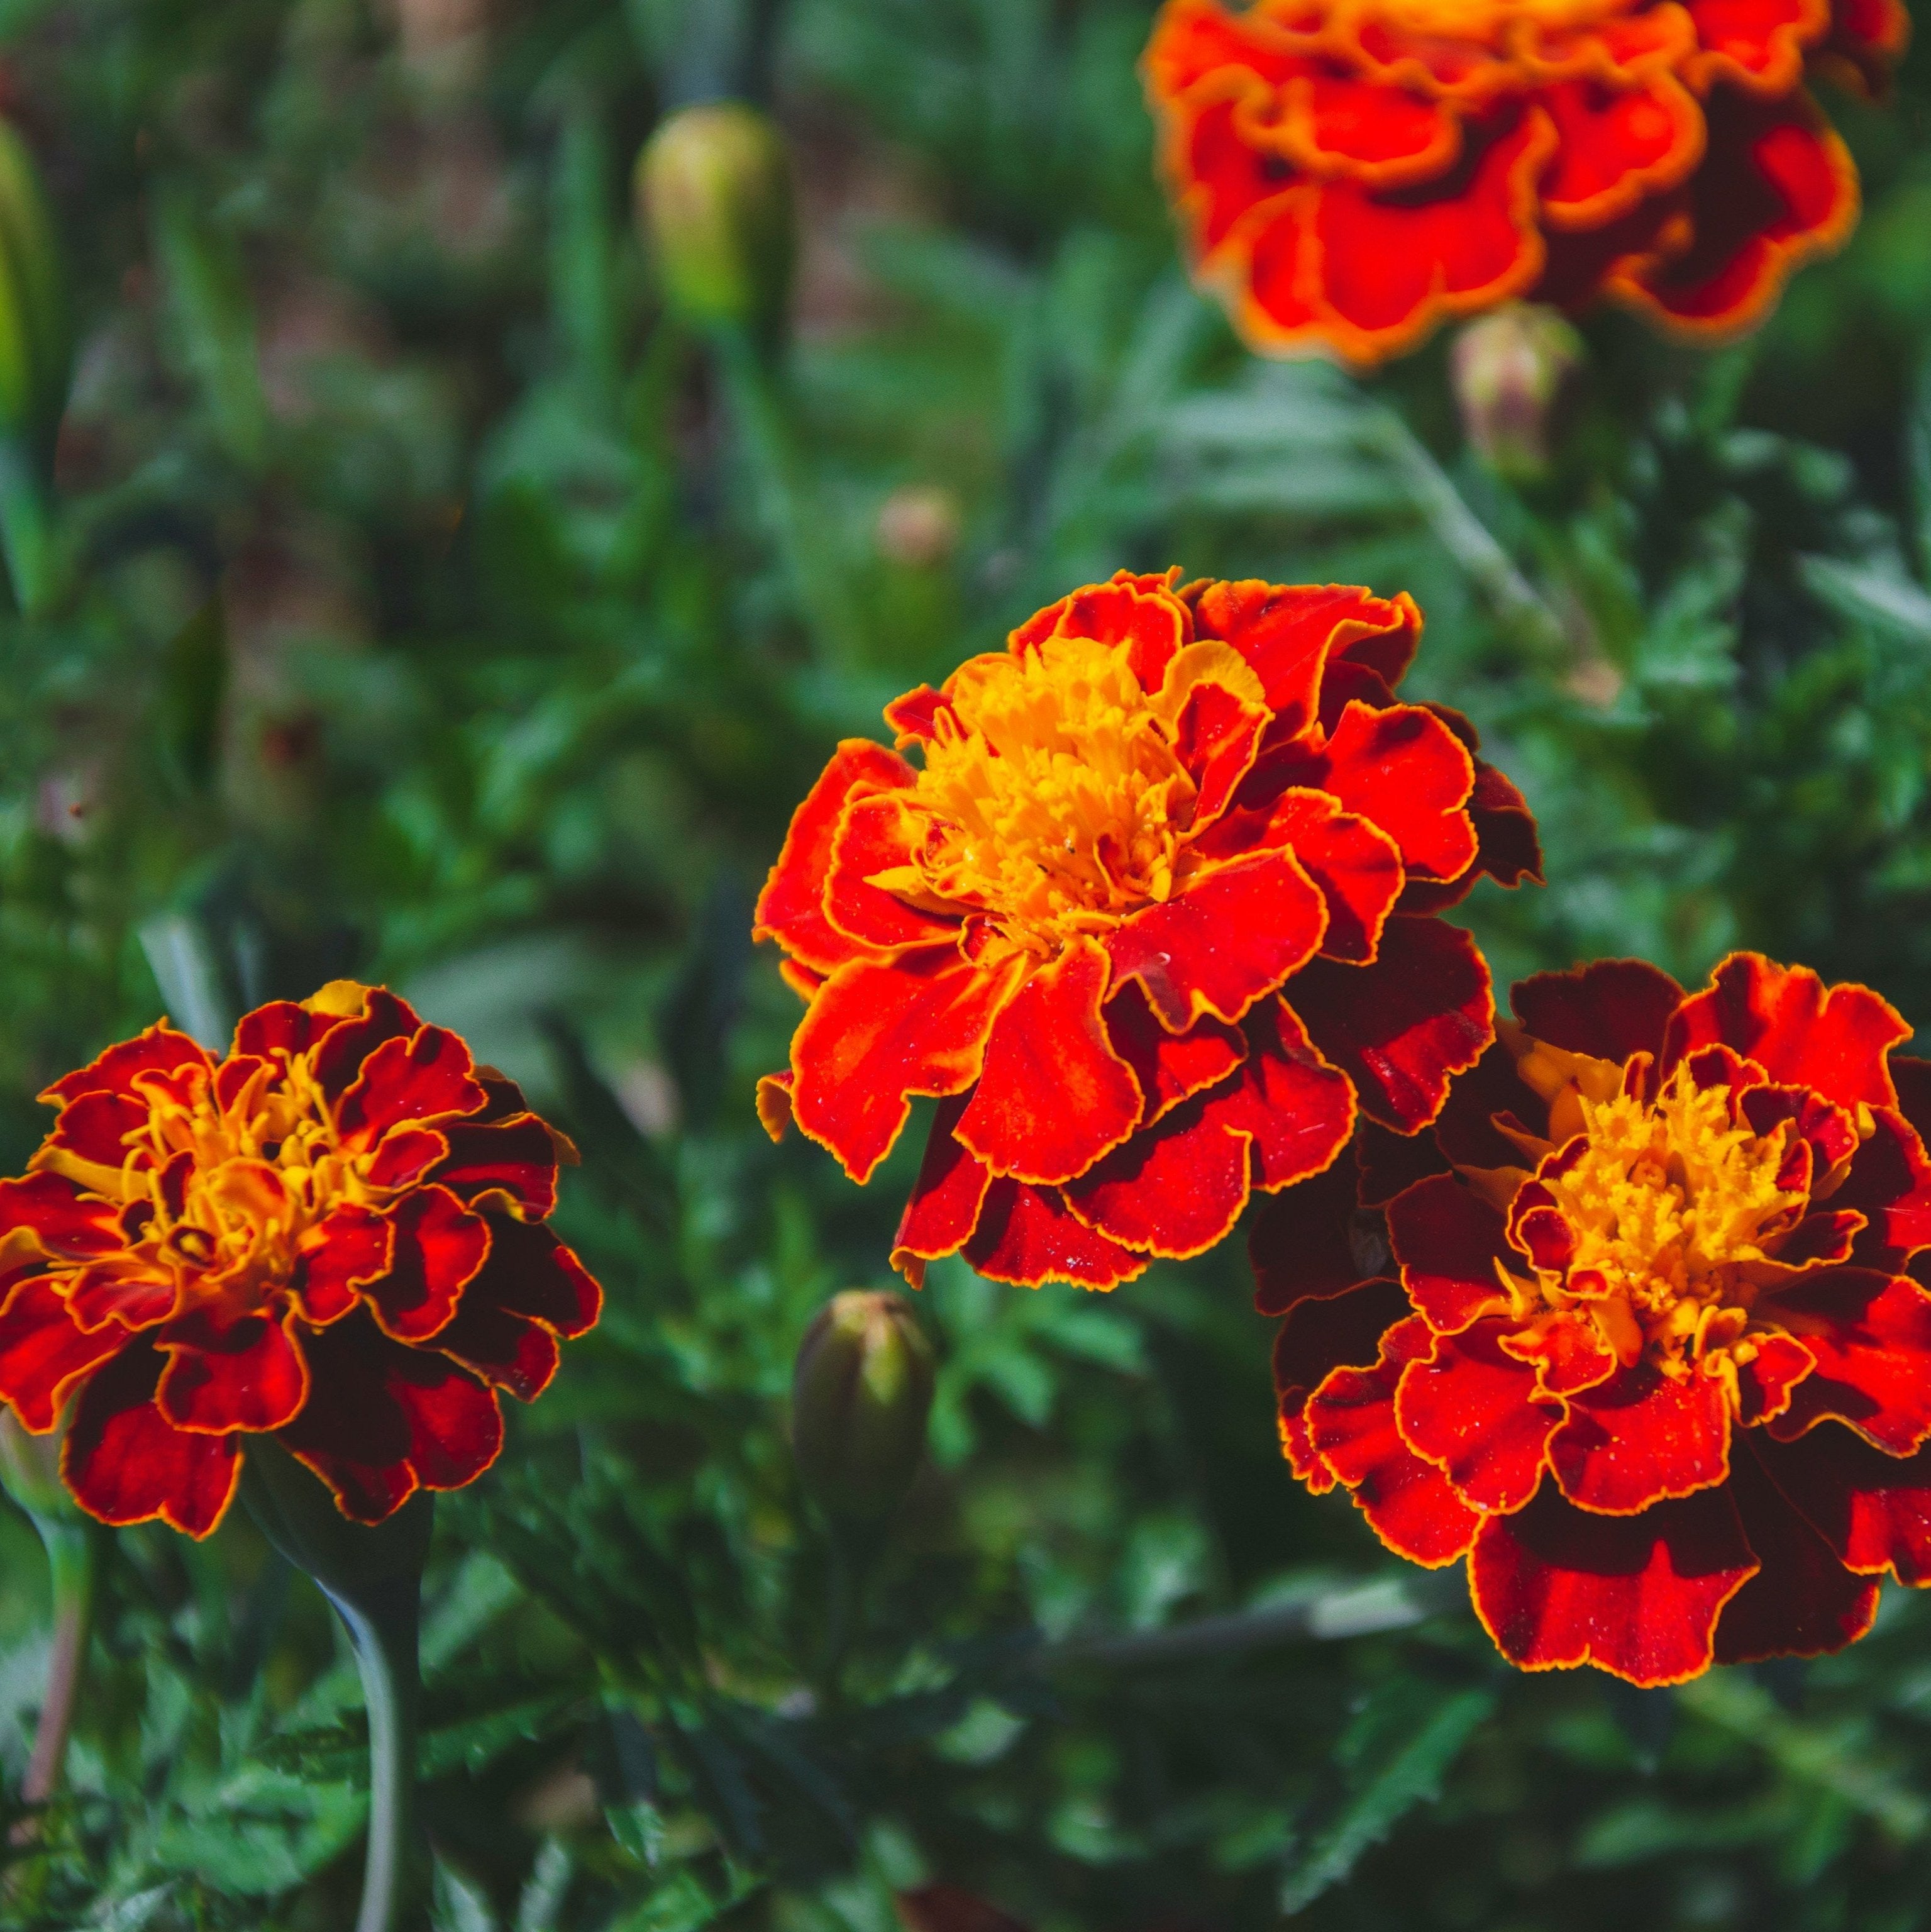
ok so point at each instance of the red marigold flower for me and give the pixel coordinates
(1352, 172)
(334, 1235)
(1633, 1329)
(1153, 912)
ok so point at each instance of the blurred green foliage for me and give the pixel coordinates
(440, 610)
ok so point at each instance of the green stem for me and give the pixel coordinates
(27, 533)
(69, 1548)
(385, 1657)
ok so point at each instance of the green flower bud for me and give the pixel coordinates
(860, 1396)
(1513, 370)
(714, 205)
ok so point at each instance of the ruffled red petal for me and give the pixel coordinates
(44, 1352)
(47, 1214)
(1052, 1096)
(1230, 936)
(424, 1079)
(1170, 1067)
(1446, 1240)
(1307, 1242)
(440, 1247)
(1759, 44)
(512, 1160)
(1640, 1437)
(125, 1462)
(1616, 146)
(876, 835)
(1870, 1337)
(1803, 1602)
(247, 1373)
(945, 1199)
(382, 1420)
(791, 908)
(1607, 1009)
(1889, 1184)
(1873, 1510)
(877, 1034)
(342, 1254)
(1351, 1422)
(159, 1051)
(1026, 1236)
(1400, 1028)
(1637, 1596)
(1474, 1412)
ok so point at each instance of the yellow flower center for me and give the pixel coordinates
(228, 1222)
(1671, 1205)
(1051, 797)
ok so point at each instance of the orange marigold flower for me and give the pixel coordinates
(1154, 910)
(1352, 172)
(1633, 1329)
(334, 1233)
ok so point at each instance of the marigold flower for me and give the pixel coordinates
(1350, 172)
(334, 1235)
(1155, 912)
(1634, 1329)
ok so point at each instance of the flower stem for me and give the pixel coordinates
(71, 1550)
(385, 1657)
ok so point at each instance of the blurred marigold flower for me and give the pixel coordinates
(1352, 172)
(1632, 1329)
(334, 1233)
(1156, 911)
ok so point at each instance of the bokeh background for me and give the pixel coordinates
(441, 611)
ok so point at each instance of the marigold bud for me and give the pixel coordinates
(714, 205)
(1513, 371)
(860, 1396)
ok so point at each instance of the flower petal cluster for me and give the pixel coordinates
(334, 1233)
(1351, 172)
(1636, 1329)
(1153, 916)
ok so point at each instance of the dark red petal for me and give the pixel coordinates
(530, 1272)
(1052, 1096)
(1408, 1503)
(160, 1050)
(43, 1351)
(1803, 1602)
(1320, 1335)
(507, 1350)
(1400, 1028)
(1215, 737)
(1607, 1009)
(61, 1222)
(1618, 146)
(1170, 1067)
(1141, 612)
(283, 1028)
(877, 1034)
(1640, 1437)
(382, 1420)
(1474, 1412)
(1311, 1241)
(1765, 1381)
(121, 1292)
(1289, 633)
(1227, 937)
(1637, 1596)
(1800, 1032)
(126, 1463)
(1889, 1184)
(1759, 43)
(345, 1251)
(1391, 1163)
(791, 908)
(1026, 1236)
(877, 835)
(1870, 1336)
(247, 1374)
(1297, 1110)
(405, 1154)
(1447, 1240)
(1405, 771)
(1567, 1350)
(1873, 1510)
(439, 1245)
(342, 1052)
(425, 1079)
(1175, 1189)
(89, 1141)
(945, 1199)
